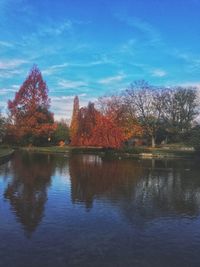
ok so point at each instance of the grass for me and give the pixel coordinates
(5, 154)
(65, 149)
(173, 151)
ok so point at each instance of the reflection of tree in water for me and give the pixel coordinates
(93, 178)
(140, 189)
(27, 192)
(5, 169)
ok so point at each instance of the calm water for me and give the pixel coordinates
(85, 211)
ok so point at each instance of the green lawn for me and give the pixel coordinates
(168, 151)
(5, 152)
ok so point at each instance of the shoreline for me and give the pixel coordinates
(137, 152)
(5, 154)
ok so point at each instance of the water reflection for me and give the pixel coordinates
(141, 213)
(146, 189)
(27, 191)
(92, 177)
(139, 190)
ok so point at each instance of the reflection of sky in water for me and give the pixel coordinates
(88, 211)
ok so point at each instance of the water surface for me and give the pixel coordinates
(87, 211)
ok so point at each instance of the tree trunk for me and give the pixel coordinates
(153, 143)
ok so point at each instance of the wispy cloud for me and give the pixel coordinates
(112, 79)
(52, 69)
(12, 67)
(104, 60)
(63, 105)
(191, 84)
(159, 73)
(55, 29)
(69, 84)
(6, 44)
(6, 74)
(129, 46)
(5, 91)
(11, 63)
(192, 61)
(149, 31)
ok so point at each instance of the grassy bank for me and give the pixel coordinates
(143, 152)
(5, 154)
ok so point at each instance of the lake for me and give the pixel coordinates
(87, 211)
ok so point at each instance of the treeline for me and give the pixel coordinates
(140, 114)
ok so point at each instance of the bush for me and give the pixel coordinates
(61, 133)
(194, 139)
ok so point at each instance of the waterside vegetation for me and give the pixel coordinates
(142, 120)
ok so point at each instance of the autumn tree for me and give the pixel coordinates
(97, 129)
(30, 118)
(74, 121)
(107, 133)
(121, 114)
(86, 123)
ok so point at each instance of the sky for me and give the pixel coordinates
(93, 48)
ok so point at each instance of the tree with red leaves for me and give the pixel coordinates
(86, 121)
(74, 121)
(96, 129)
(30, 118)
(107, 133)
(118, 111)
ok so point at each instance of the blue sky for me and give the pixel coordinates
(95, 47)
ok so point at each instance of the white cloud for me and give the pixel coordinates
(191, 84)
(5, 91)
(55, 28)
(5, 74)
(112, 79)
(11, 63)
(63, 105)
(69, 84)
(52, 69)
(192, 61)
(159, 73)
(65, 98)
(6, 44)
(128, 47)
(144, 27)
(15, 86)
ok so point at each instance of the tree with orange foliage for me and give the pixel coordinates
(107, 133)
(96, 129)
(30, 118)
(116, 109)
(86, 122)
(74, 121)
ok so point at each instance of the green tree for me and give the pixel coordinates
(62, 132)
(2, 127)
(193, 139)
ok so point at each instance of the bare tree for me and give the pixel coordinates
(146, 102)
(180, 108)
